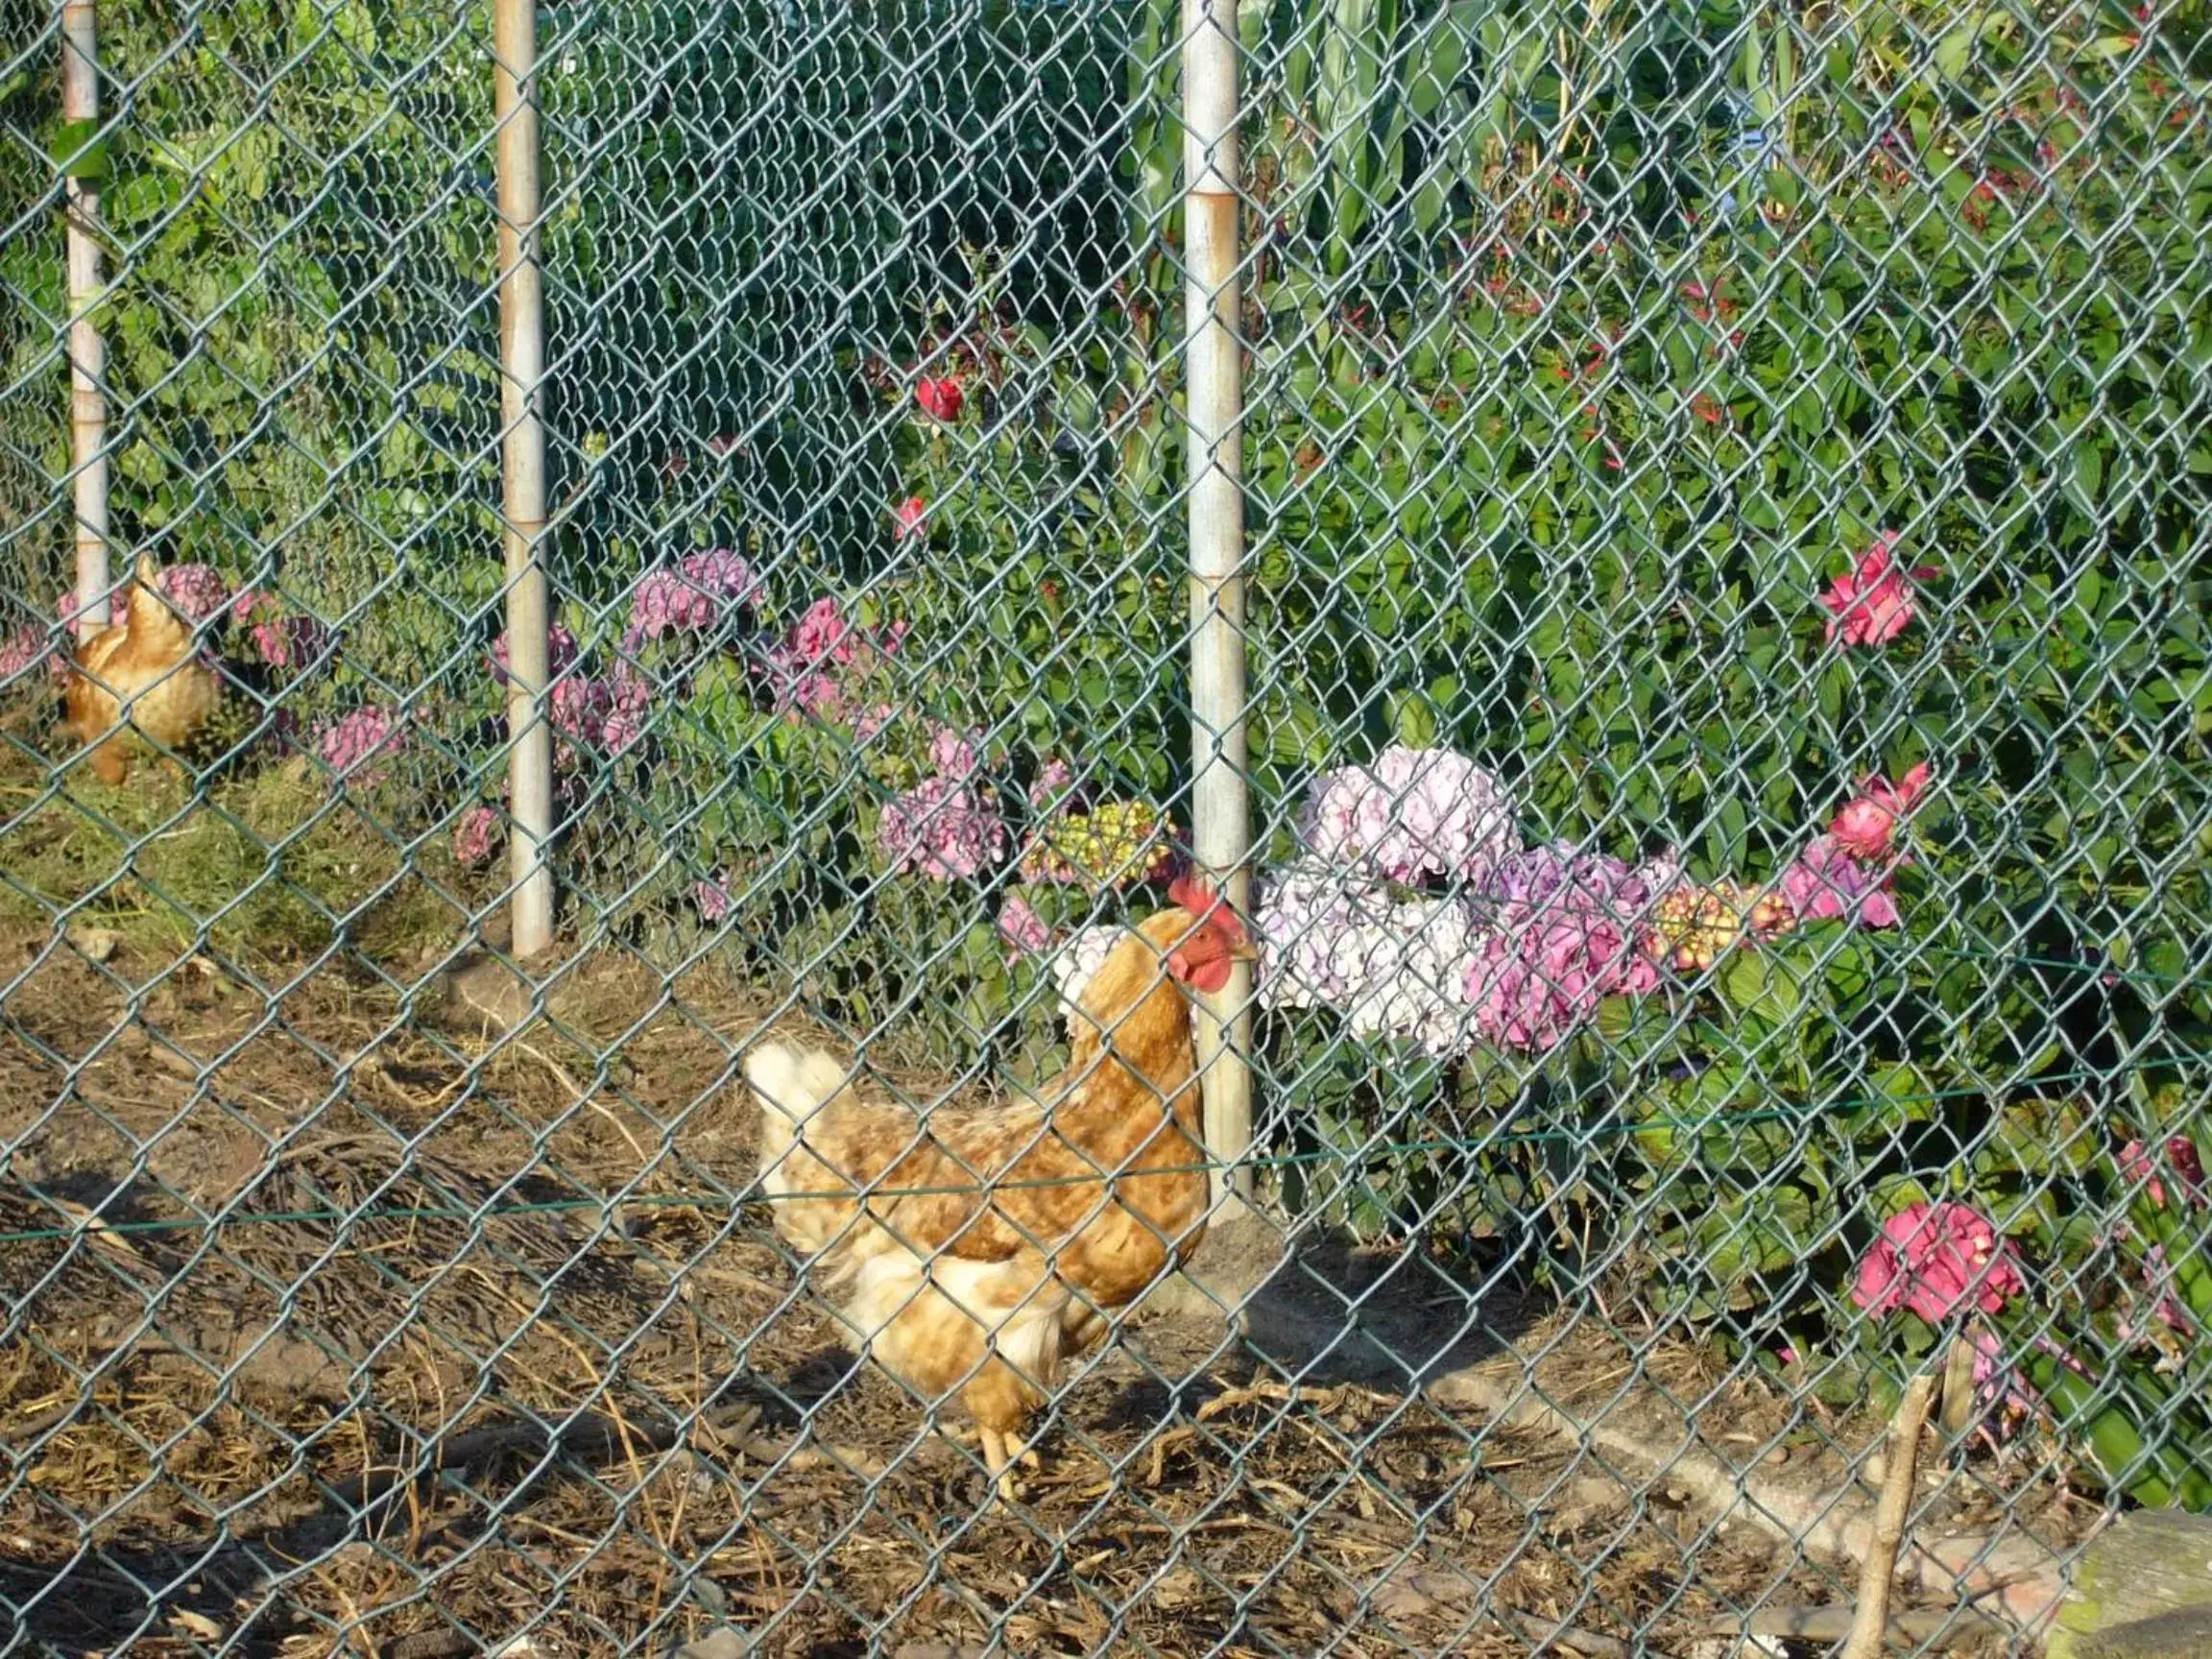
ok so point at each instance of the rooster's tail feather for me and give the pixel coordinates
(792, 1086)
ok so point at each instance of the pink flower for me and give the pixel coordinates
(1565, 934)
(955, 754)
(2180, 1157)
(871, 720)
(1056, 788)
(940, 399)
(663, 603)
(819, 634)
(577, 708)
(1023, 929)
(1873, 604)
(941, 830)
(196, 591)
(1937, 1259)
(475, 836)
(21, 652)
(1825, 883)
(347, 745)
(910, 518)
(722, 573)
(628, 695)
(1866, 824)
(713, 896)
(282, 640)
(560, 653)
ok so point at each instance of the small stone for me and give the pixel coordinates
(93, 944)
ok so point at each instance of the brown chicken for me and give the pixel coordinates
(989, 1248)
(141, 673)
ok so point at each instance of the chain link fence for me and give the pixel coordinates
(1723, 598)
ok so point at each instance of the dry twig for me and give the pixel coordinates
(1890, 1519)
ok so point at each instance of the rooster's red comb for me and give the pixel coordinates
(1193, 892)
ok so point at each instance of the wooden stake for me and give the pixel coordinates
(1213, 368)
(522, 362)
(1874, 1580)
(87, 351)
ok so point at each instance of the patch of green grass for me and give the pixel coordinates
(266, 864)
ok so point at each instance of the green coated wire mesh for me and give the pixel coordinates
(1725, 491)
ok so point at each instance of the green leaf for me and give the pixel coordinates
(80, 151)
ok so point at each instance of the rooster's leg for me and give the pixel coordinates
(998, 1458)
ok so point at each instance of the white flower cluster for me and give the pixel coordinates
(1331, 938)
(1078, 956)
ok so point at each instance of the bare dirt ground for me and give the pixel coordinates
(334, 1325)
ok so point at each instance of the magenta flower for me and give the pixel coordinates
(560, 653)
(941, 830)
(1938, 1259)
(1873, 604)
(1025, 932)
(713, 896)
(280, 639)
(910, 518)
(347, 745)
(1865, 826)
(2181, 1158)
(1825, 883)
(1566, 934)
(475, 837)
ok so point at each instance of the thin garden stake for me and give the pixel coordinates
(87, 352)
(1220, 789)
(522, 362)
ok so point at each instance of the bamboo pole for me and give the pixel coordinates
(522, 364)
(1214, 404)
(87, 351)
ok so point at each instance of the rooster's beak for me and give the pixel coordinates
(1243, 954)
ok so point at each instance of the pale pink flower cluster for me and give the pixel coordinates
(942, 830)
(22, 651)
(1025, 932)
(1333, 938)
(1414, 814)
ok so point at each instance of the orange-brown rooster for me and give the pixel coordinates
(973, 1248)
(143, 670)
